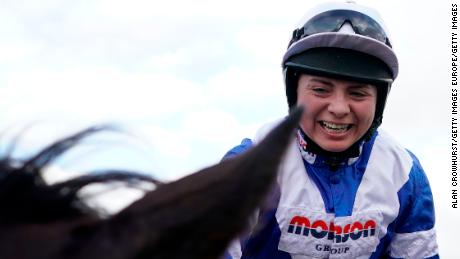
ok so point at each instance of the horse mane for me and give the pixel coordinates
(26, 197)
(194, 217)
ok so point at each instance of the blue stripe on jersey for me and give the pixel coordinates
(381, 250)
(416, 202)
(416, 210)
(338, 189)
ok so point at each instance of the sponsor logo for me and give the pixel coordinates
(332, 250)
(339, 234)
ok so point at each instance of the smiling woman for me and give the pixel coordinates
(345, 189)
(171, 67)
(338, 113)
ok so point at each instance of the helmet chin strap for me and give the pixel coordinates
(375, 124)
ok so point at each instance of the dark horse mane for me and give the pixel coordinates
(194, 217)
(26, 197)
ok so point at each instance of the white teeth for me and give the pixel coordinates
(335, 127)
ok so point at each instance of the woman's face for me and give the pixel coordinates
(337, 112)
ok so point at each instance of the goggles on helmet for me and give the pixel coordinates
(332, 21)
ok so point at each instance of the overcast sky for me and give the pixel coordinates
(192, 78)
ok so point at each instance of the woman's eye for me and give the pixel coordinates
(358, 94)
(320, 90)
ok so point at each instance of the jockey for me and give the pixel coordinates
(345, 189)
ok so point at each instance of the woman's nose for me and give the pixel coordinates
(339, 105)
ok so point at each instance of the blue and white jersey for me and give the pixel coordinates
(377, 205)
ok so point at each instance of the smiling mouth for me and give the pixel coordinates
(335, 128)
